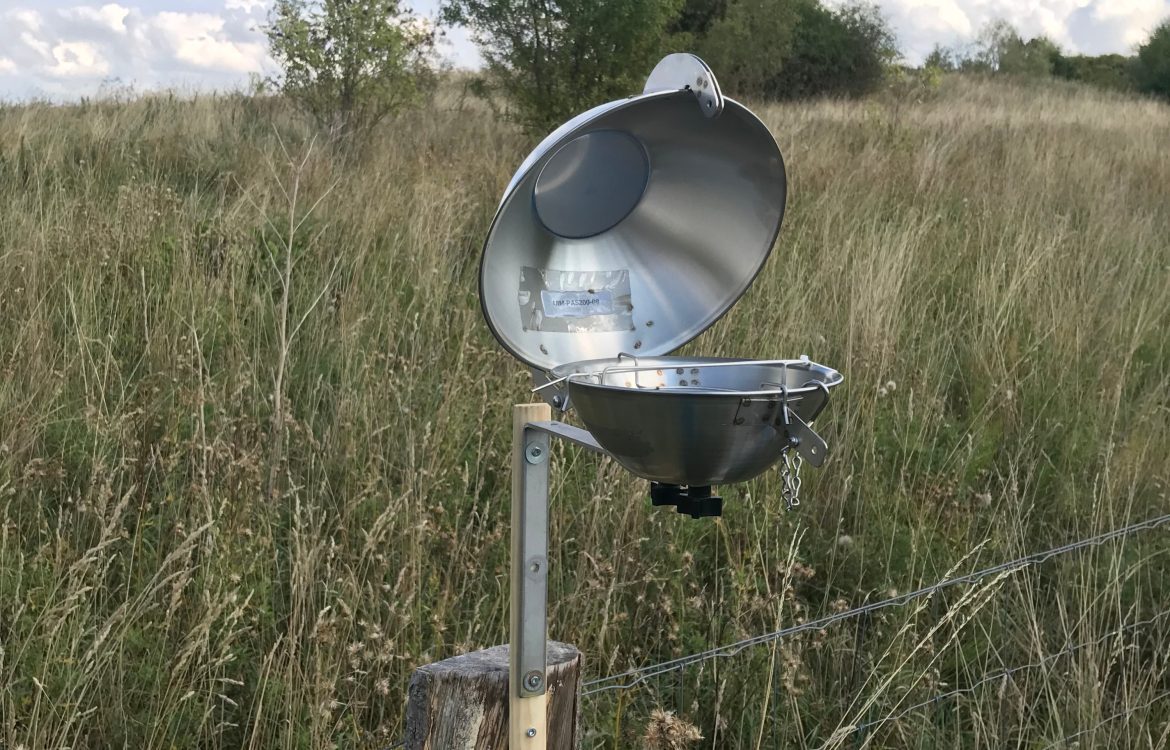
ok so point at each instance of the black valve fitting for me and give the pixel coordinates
(696, 502)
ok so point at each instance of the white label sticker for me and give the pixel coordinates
(576, 304)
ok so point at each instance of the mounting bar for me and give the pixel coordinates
(530, 546)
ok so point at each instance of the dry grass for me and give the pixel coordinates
(254, 439)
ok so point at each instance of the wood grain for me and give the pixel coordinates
(463, 702)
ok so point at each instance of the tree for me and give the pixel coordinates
(942, 59)
(1114, 72)
(555, 58)
(350, 63)
(1152, 69)
(999, 48)
(841, 52)
(748, 45)
(694, 20)
(1034, 58)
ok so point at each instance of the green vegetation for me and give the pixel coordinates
(1153, 63)
(1000, 50)
(555, 58)
(782, 49)
(1103, 71)
(350, 63)
(254, 435)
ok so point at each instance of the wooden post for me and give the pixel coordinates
(476, 701)
(463, 702)
(527, 715)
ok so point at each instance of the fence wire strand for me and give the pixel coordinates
(632, 677)
(1003, 674)
(1129, 711)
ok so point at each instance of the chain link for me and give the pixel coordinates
(790, 477)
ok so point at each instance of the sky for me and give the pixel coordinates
(65, 49)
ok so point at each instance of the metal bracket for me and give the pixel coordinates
(530, 565)
(530, 556)
(808, 444)
(569, 433)
(553, 390)
(684, 71)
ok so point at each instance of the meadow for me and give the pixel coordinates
(255, 436)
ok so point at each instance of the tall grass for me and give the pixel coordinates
(254, 436)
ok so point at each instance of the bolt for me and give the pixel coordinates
(533, 680)
(534, 454)
(556, 401)
(531, 732)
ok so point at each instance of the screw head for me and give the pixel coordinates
(534, 454)
(531, 732)
(533, 680)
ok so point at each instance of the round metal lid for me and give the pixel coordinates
(634, 226)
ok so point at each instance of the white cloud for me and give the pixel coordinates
(77, 59)
(1116, 25)
(201, 40)
(40, 46)
(72, 50)
(27, 17)
(111, 16)
(248, 6)
(1079, 26)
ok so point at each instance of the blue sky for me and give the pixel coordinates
(63, 49)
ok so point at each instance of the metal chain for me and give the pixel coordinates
(790, 477)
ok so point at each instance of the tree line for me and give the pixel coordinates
(1001, 50)
(350, 63)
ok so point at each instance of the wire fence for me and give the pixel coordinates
(1127, 711)
(632, 677)
(1001, 675)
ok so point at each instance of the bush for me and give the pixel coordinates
(349, 63)
(1034, 58)
(1152, 70)
(555, 58)
(841, 52)
(1000, 49)
(1105, 71)
(749, 44)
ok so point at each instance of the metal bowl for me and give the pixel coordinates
(699, 421)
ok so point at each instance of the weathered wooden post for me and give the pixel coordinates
(522, 696)
(463, 702)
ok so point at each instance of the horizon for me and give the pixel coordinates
(63, 50)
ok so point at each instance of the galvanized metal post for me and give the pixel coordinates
(527, 724)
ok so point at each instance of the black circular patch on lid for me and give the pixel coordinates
(591, 183)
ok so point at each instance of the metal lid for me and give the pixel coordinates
(634, 226)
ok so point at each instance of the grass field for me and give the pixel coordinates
(254, 434)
